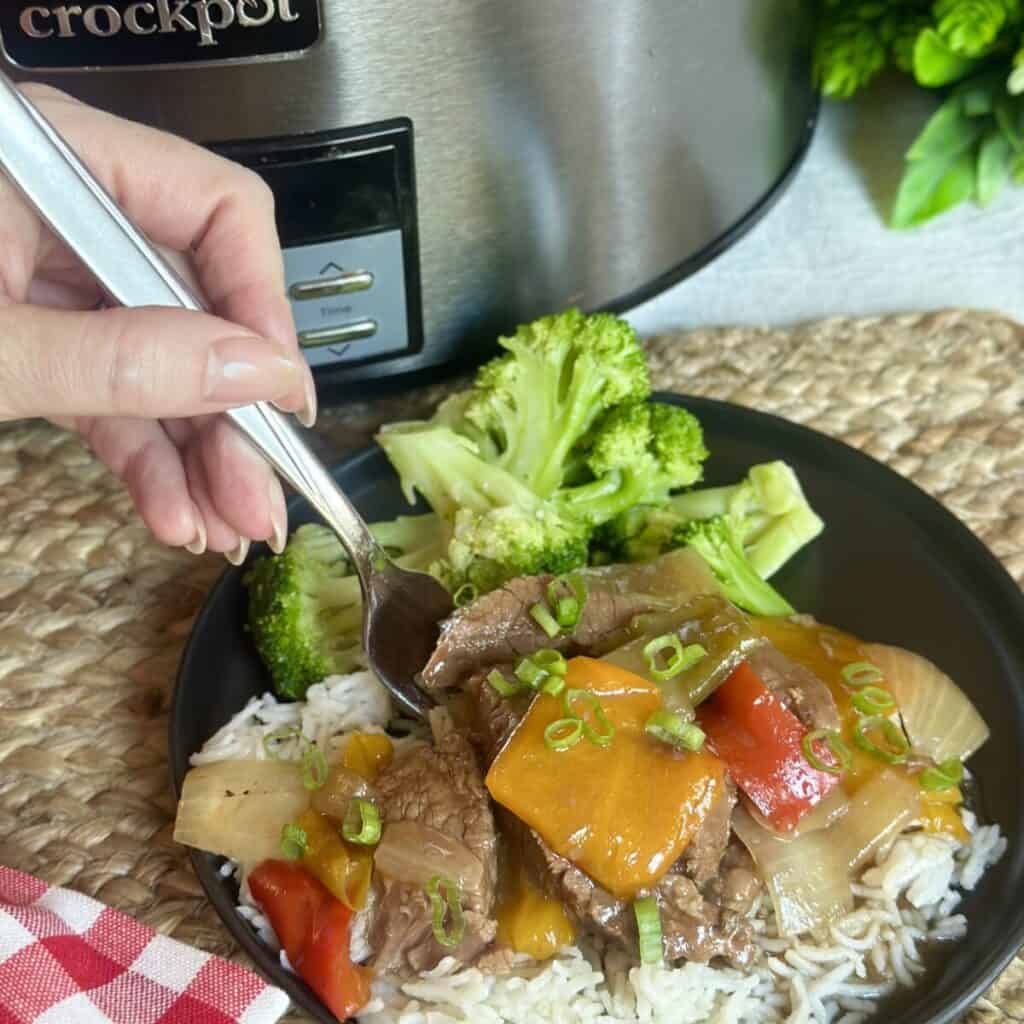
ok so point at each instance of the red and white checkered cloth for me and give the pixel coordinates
(67, 959)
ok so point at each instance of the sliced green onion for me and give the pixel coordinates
(551, 661)
(362, 823)
(607, 733)
(553, 685)
(293, 842)
(648, 924)
(563, 733)
(842, 759)
(861, 673)
(545, 620)
(942, 776)
(679, 658)
(567, 612)
(505, 687)
(466, 594)
(897, 746)
(314, 767)
(447, 906)
(543, 671)
(873, 700)
(672, 729)
(529, 673)
(284, 734)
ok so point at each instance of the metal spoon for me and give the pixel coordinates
(401, 609)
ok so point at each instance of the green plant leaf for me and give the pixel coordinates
(994, 157)
(947, 133)
(1017, 169)
(972, 27)
(930, 187)
(1008, 111)
(936, 64)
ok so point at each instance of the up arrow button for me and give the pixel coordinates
(341, 282)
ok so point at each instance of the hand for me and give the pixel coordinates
(141, 385)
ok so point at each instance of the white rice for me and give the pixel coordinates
(903, 904)
(333, 708)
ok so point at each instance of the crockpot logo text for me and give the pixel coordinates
(154, 17)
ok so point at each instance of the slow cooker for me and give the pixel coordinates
(448, 168)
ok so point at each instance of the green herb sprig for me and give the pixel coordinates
(972, 50)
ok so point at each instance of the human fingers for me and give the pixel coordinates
(243, 487)
(144, 457)
(148, 362)
(189, 199)
(220, 537)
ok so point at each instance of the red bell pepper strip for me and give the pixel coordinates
(760, 742)
(314, 929)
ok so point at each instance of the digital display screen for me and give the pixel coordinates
(334, 196)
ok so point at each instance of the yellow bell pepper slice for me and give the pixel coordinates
(366, 753)
(345, 870)
(624, 812)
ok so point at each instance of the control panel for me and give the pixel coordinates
(346, 215)
(348, 297)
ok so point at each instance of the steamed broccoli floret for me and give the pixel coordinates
(638, 454)
(717, 541)
(305, 611)
(560, 375)
(639, 534)
(500, 528)
(768, 510)
(488, 548)
(445, 468)
(305, 605)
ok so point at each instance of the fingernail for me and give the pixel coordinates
(246, 370)
(278, 517)
(237, 557)
(197, 546)
(307, 414)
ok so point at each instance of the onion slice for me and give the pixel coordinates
(238, 808)
(879, 811)
(808, 873)
(412, 852)
(822, 815)
(939, 717)
(807, 878)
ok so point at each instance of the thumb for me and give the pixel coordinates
(148, 362)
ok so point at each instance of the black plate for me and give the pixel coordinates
(892, 566)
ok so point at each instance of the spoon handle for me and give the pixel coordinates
(134, 273)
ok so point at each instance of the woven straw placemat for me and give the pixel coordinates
(94, 613)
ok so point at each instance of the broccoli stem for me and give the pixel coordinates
(782, 539)
(716, 541)
(704, 503)
(337, 591)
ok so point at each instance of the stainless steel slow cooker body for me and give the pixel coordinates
(584, 152)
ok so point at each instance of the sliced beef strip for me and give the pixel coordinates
(498, 627)
(798, 687)
(439, 786)
(698, 928)
(593, 907)
(493, 717)
(702, 857)
(402, 937)
(738, 885)
(698, 922)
